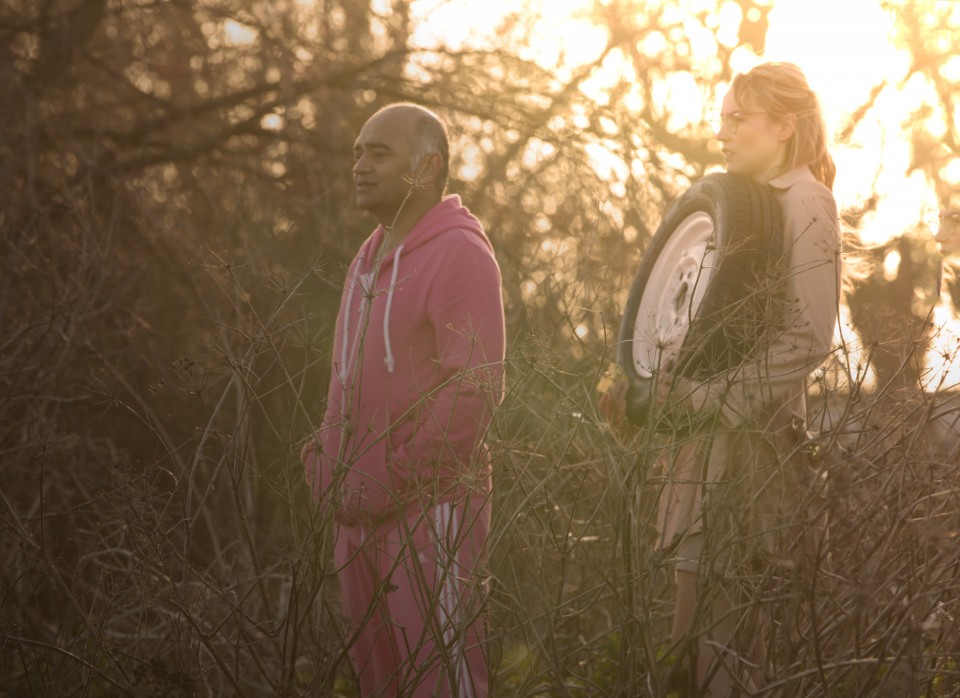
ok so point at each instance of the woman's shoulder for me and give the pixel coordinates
(800, 193)
(799, 179)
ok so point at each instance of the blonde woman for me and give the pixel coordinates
(729, 486)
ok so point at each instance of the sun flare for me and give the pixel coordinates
(848, 52)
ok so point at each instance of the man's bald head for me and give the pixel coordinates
(426, 131)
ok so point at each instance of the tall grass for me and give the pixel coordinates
(159, 539)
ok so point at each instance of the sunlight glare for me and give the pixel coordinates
(844, 58)
(728, 23)
(943, 358)
(608, 166)
(237, 34)
(891, 265)
(564, 36)
(951, 173)
(854, 368)
(684, 101)
(846, 49)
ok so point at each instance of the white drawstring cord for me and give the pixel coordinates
(388, 359)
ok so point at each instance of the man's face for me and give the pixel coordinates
(381, 168)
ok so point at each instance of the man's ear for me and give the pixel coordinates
(428, 171)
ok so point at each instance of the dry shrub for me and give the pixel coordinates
(170, 264)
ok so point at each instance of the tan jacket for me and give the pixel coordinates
(758, 404)
(773, 387)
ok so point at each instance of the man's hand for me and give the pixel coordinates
(676, 400)
(613, 400)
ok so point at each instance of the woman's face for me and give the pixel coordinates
(753, 144)
(948, 237)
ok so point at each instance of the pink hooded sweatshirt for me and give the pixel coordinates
(417, 372)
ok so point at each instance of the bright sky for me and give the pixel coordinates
(851, 54)
(844, 47)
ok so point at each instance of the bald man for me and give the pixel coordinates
(399, 457)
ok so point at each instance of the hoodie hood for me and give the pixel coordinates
(449, 214)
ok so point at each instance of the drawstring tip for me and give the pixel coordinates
(390, 364)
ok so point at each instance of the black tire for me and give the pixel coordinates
(708, 293)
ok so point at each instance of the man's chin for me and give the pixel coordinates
(367, 203)
(376, 210)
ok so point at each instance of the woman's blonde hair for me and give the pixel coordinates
(781, 89)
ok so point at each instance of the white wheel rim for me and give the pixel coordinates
(672, 295)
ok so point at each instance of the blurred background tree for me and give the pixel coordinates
(176, 218)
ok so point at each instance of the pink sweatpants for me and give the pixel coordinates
(413, 596)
